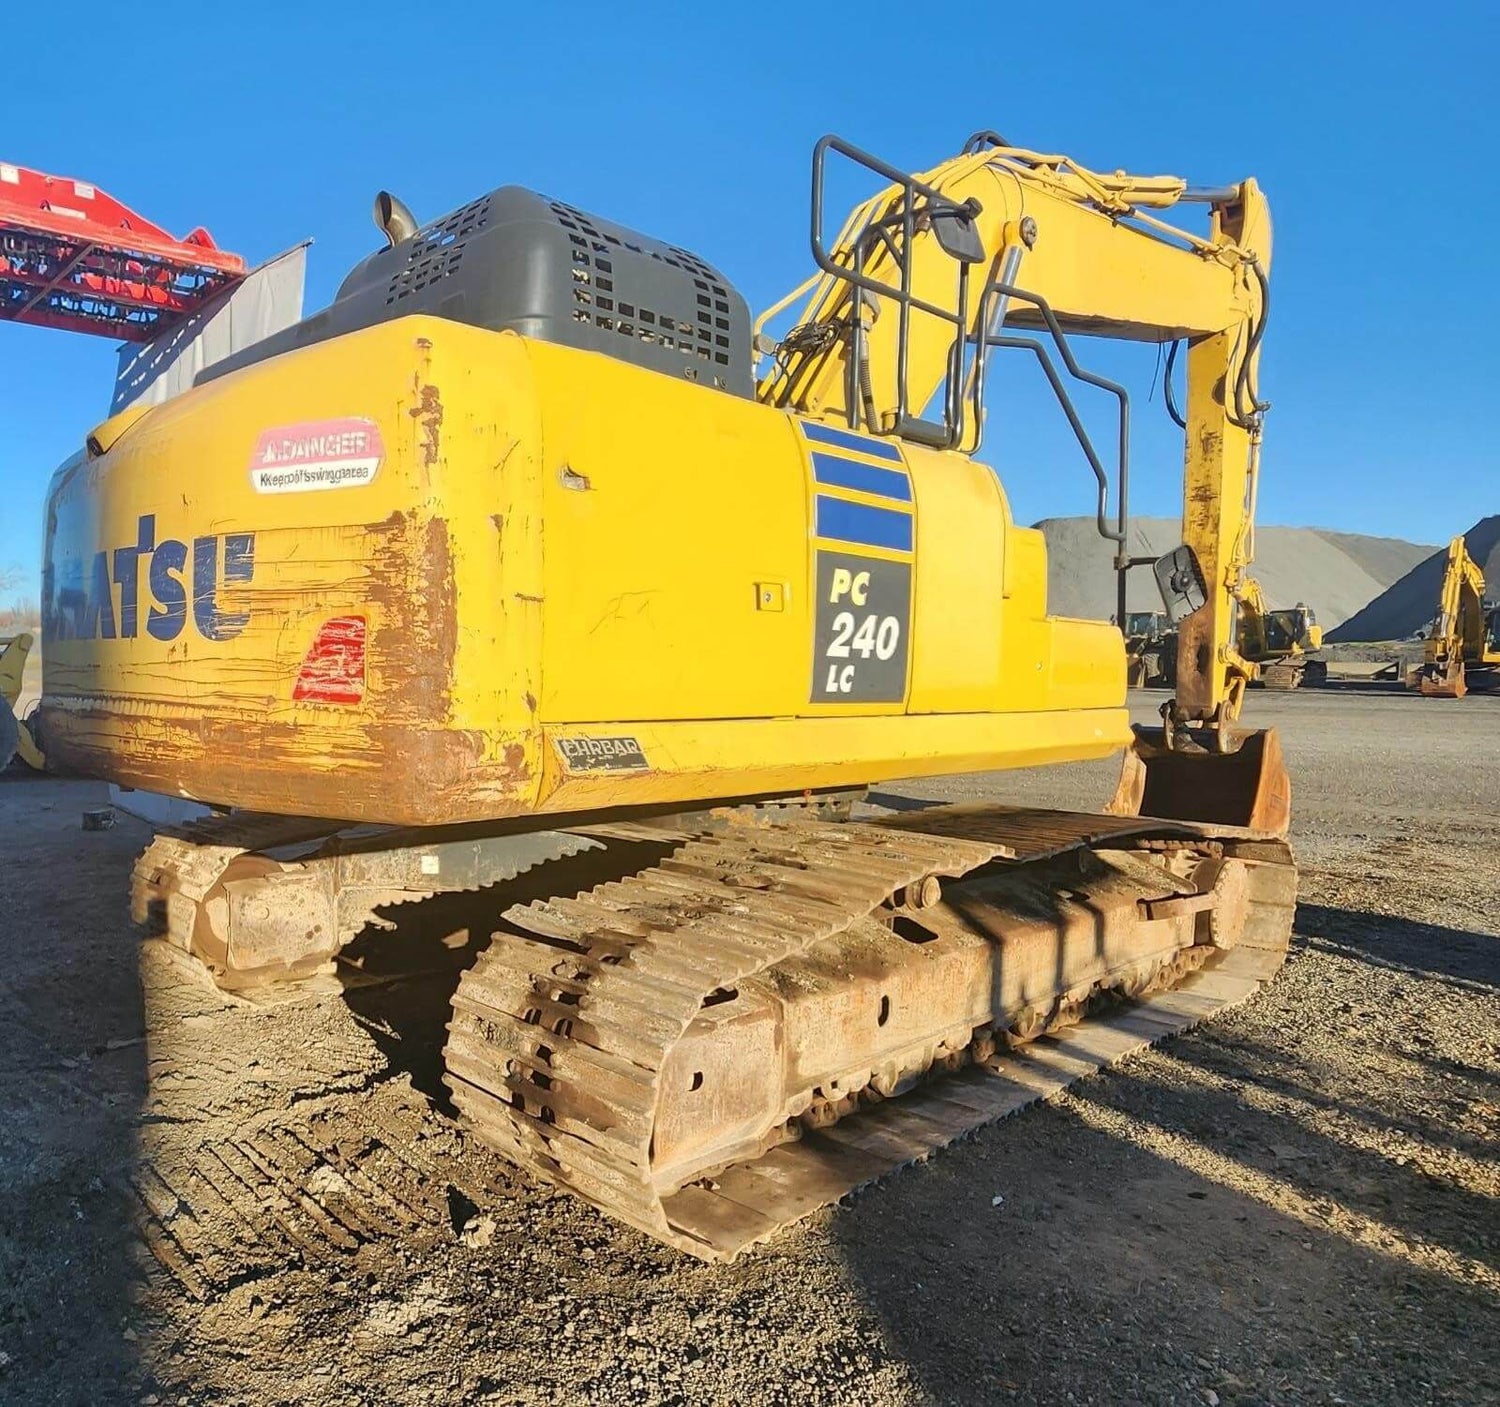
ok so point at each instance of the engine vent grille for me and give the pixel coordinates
(700, 330)
(437, 250)
(516, 261)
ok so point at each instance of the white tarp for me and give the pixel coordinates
(269, 299)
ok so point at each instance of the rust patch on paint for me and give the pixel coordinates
(428, 413)
(395, 760)
(412, 580)
(515, 761)
(386, 774)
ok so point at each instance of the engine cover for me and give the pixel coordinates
(516, 261)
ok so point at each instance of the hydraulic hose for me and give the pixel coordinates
(1178, 418)
(1245, 419)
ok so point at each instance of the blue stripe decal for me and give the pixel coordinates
(827, 435)
(859, 522)
(866, 478)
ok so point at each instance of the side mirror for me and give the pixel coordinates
(1179, 578)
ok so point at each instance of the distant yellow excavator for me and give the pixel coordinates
(1462, 651)
(1280, 644)
(509, 553)
(17, 736)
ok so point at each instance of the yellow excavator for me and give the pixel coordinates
(1150, 649)
(17, 734)
(1462, 650)
(509, 554)
(1280, 642)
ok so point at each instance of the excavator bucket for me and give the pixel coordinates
(1247, 786)
(1443, 682)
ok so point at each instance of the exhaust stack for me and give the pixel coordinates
(393, 219)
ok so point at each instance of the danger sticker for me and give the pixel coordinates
(602, 754)
(319, 454)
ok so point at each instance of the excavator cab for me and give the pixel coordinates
(934, 326)
(1150, 649)
(1292, 629)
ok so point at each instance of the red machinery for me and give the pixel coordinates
(73, 257)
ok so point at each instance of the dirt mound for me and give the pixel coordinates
(1334, 573)
(1411, 602)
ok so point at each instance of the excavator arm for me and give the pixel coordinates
(1459, 638)
(929, 275)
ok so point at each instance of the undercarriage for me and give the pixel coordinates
(781, 1009)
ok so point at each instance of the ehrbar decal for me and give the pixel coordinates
(602, 754)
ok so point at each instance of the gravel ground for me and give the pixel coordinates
(1297, 1203)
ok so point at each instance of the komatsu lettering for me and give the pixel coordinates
(149, 584)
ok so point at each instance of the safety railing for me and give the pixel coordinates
(917, 206)
(891, 228)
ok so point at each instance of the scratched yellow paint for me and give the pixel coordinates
(556, 546)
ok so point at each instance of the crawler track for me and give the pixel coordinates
(562, 1040)
(264, 899)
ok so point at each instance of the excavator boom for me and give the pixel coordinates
(935, 271)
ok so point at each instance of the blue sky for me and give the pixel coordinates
(1372, 128)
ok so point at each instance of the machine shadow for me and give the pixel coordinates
(893, 801)
(1455, 955)
(74, 1091)
(399, 983)
(999, 1273)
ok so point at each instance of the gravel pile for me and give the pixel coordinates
(1411, 602)
(1334, 573)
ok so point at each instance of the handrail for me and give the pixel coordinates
(936, 205)
(1000, 288)
(888, 222)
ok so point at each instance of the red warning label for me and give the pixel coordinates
(317, 454)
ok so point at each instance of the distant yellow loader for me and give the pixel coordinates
(16, 737)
